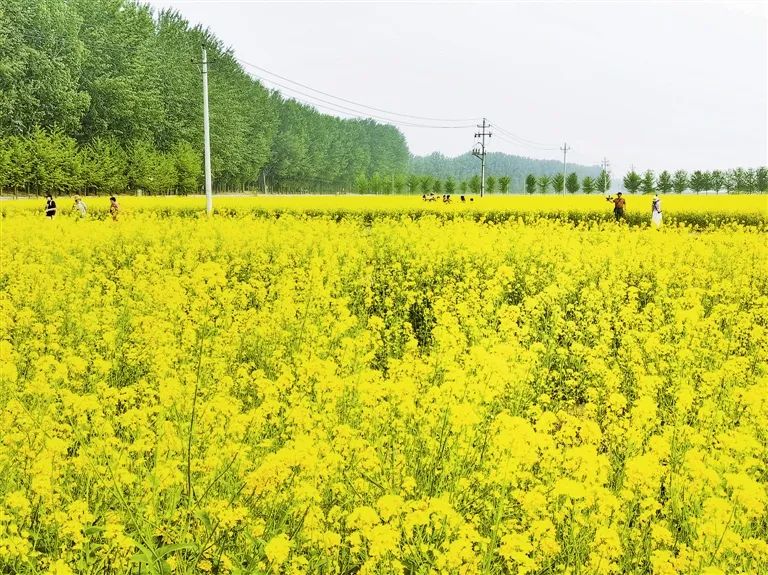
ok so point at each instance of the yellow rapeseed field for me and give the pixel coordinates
(701, 211)
(356, 385)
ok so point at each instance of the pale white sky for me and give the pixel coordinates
(657, 85)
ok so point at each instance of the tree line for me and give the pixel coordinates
(516, 168)
(426, 184)
(105, 95)
(752, 180)
(737, 180)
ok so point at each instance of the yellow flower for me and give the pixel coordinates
(278, 549)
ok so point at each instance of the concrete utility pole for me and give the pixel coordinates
(481, 152)
(207, 138)
(605, 171)
(565, 149)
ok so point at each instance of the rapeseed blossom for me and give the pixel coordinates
(321, 391)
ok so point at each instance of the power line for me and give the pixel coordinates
(427, 118)
(526, 141)
(340, 108)
(502, 137)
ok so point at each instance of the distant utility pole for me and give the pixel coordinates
(207, 138)
(565, 149)
(605, 171)
(481, 152)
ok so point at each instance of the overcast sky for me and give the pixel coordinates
(657, 85)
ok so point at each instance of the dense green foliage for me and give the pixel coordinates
(516, 168)
(738, 180)
(97, 95)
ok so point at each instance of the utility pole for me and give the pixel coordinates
(604, 175)
(481, 153)
(207, 138)
(565, 149)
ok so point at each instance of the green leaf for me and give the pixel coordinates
(166, 549)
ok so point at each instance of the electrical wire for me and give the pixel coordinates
(426, 118)
(501, 137)
(522, 141)
(340, 108)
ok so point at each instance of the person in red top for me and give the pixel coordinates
(619, 204)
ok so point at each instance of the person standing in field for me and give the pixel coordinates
(50, 206)
(656, 211)
(80, 206)
(113, 208)
(619, 204)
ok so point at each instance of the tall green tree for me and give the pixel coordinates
(543, 183)
(41, 55)
(632, 182)
(189, 168)
(426, 184)
(716, 181)
(56, 163)
(490, 184)
(698, 182)
(761, 180)
(105, 167)
(399, 183)
(5, 164)
(587, 185)
(648, 185)
(750, 181)
(530, 183)
(414, 184)
(450, 186)
(504, 184)
(664, 182)
(18, 175)
(377, 183)
(680, 181)
(387, 184)
(572, 183)
(120, 72)
(558, 183)
(603, 183)
(361, 184)
(474, 184)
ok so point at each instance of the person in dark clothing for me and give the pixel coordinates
(50, 206)
(619, 204)
(114, 209)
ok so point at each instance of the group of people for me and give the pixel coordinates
(620, 204)
(79, 205)
(446, 198)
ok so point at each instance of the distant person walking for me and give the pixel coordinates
(114, 209)
(80, 206)
(50, 206)
(619, 205)
(656, 211)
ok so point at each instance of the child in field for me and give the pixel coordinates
(50, 206)
(113, 207)
(656, 211)
(80, 206)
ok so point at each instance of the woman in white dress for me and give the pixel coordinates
(656, 211)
